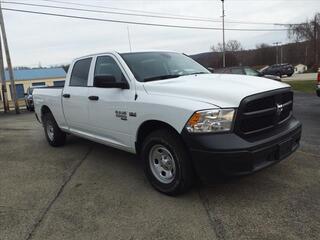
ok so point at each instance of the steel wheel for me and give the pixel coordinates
(162, 164)
(50, 131)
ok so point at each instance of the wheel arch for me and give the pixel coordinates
(149, 126)
(44, 110)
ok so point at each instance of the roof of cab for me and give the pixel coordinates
(118, 53)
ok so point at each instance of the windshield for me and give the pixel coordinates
(251, 72)
(151, 66)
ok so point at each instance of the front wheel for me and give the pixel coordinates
(53, 133)
(166, 162)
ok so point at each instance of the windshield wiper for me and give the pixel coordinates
(162, 77)
(196, 73)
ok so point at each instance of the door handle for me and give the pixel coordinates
(93, 98)
(66, 95)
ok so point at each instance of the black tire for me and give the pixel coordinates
(183, 175)
(279, 74)
(53, 133)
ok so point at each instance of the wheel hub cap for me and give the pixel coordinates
(162, 164)
(50, 132)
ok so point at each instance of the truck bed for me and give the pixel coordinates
(52, 98)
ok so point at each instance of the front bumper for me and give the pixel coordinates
(232, 155)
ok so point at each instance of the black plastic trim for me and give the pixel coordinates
(240, 113)
(234, 155)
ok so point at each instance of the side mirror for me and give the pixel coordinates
(210, 69)
(109, 81)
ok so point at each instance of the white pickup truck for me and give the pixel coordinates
(183, 121)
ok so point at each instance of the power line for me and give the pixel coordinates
(109, 12)
(124, 9)
(177, 16)
(141, 23)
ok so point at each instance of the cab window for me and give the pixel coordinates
(106, 65)
(80, 73)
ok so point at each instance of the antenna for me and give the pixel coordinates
(129, 38)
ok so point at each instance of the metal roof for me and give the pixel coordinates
(39, 73)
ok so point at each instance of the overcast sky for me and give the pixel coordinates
(49, 40)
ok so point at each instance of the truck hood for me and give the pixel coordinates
(221, 90)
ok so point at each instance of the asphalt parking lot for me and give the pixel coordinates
(85, 190)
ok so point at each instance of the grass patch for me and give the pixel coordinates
(308, 86)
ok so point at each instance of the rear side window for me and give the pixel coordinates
(80, 73)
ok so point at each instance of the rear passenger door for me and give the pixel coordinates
(75, 96)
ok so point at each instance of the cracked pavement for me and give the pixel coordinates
(86, 190)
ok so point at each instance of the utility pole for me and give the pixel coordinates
(316, 57)
(306, 60)
(10, 70)
(223, 36)
(3, 81)
(281, 54)
(277, 54)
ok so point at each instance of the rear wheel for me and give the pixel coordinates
(166, 162)
(53, 133)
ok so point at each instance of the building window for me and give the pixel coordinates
(38, 84)
(58, 83)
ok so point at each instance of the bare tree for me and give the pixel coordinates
(231, 46)
(307, 31)
(213, 49)
(304, 31)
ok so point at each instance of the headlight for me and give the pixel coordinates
(214, 120)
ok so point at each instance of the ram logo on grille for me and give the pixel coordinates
(279, 109)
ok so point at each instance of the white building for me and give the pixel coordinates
(300, 68)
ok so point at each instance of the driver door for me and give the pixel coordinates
(108, 107)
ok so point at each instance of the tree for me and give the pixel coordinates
(262, 45)
(307, 31)
(231, 46)
(65, 67)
